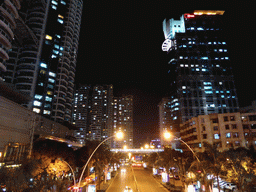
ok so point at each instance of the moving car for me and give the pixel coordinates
(128, 189)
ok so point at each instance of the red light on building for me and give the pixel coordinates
(188, 16)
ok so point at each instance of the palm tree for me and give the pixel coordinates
(183, 163)
(213, 160)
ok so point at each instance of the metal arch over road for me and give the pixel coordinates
(137, 150)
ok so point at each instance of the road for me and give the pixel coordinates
(145, 181)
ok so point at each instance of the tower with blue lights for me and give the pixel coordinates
(198, 54)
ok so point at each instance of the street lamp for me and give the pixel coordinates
(167, 135)
(70, 169)
(118, 135)
(146, 146)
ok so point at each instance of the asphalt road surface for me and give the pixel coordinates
(139, 179)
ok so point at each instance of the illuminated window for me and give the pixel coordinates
(42, 71)
(216, 136)
(46, 112)
(36, 110)
(228, 135)
(49, 92)
(56, 52)
(183, 87)
(54, 2)
(39, 97)
(60, 21)
(57, 46)
(58, 36)
(54, 7)
(60, 16)
(52, 74)
(37, 103)
(43, 65)
(63, 2)
(181, 65)
(54, 56)
(48, 37)
(51, 80)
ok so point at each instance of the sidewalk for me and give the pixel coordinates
(171, 186)
(104, 186)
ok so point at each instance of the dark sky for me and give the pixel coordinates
(120, 44)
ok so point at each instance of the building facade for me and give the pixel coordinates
(81, 117)
(123, 121)
(93, 112)
(20, 126)
(169, 118)
(8, 14)
(225, 130)
(198, 54)
(46, 70)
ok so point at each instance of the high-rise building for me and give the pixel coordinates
(46, 70)
(8, 14)
(203, 82)
(93, 112)
(123, 121)
(81, 112)
(168, 117)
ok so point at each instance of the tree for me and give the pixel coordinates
(239, 167)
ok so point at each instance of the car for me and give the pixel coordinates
(128, 189)
(230, 186)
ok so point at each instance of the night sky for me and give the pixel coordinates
(120, 44)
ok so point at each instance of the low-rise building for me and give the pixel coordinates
(19, 126)
(225, 130)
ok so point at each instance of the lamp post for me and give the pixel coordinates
(167, 135)
(118, 135)
(70, 169)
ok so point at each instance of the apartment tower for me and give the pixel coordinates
(46, 71)
(198, 56)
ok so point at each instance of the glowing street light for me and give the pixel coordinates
(146, 146)
(118, 135)
(168, 135)
(125, 147)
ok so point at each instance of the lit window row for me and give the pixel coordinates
(220, 50)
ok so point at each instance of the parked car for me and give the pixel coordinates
(230, 186)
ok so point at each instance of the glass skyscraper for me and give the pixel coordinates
(198, 54)
(46, 70)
